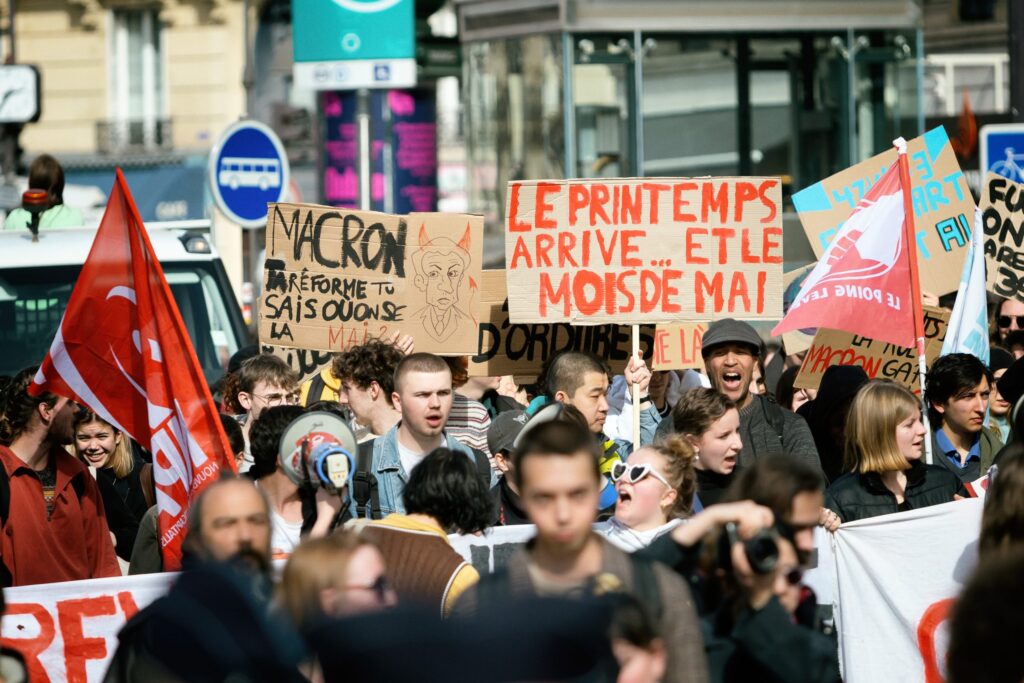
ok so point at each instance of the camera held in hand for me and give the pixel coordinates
(761, 549)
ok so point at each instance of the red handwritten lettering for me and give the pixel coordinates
(543, 207)
(78, 649)
(514, 224)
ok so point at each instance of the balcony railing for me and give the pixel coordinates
(133, 135)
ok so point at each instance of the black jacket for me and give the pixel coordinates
(859, 496)
(507, 505)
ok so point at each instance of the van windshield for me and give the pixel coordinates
(32, 301)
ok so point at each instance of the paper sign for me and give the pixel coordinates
(304, 362)
(943, 207)
(798, 340)
(644, 250)
(677, 347)
(879, 359)
(1002, 219)
(335, 277)
(521, 350)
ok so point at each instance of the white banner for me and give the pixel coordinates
(897, 576)
(68, 631)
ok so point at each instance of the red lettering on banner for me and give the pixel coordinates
(745, 192)
(650, 292)
(703, 287)
(77, 648)
(547, 293)
(607, 250)
(653, 190)
(544, 244)
(514, 224)
(631, 206)
(692, 246)
(520, 252)
(625, 291)
(629, 248)
(566, 243)
(580, 282)
(678, 203)
(31, 648)
(543, 208)
(768, 245)
(738, 290)
(660, 346)
(579, 196)
(762, 281)
(598, 198)
(745, 255)
(723, 235)
(762, 192)
(936, 613)
(712, 202)
(126, 601)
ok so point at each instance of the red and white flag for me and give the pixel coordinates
(123, 351)
(864, 282)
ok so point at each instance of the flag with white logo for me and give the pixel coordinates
(862, 284)
(123, 351)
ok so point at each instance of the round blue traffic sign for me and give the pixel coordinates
(248, 169)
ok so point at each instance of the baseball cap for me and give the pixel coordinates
(504, 429)
(730, 330)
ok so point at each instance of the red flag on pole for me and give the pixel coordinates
(865, 282)
(123, 351)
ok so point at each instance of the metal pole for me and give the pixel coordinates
(568, 104)
(248, 77)
(744, 142)
(1016, 48)
(851, 96)
(363, 128)
(920, 80)
(638, 114)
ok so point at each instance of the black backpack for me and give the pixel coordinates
(364, 482)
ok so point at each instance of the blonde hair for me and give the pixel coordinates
(315, 565)
(121, 461)
(877, 410)
(679, 471)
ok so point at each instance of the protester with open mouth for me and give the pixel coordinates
(710, 423)
(655, 490)
(731, 349)
(958, 388)
(884, 444)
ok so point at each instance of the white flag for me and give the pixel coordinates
(967, 331)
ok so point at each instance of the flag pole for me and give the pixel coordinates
(910, 235)
(635, 388)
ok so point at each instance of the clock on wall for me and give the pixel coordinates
(19, 93)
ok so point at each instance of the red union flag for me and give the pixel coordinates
(122, 350)
(863, 282)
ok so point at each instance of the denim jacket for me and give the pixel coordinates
(391, 475)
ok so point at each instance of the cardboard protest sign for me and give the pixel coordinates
(306, 363)
(796, 341)
(677, 347)
(879, 359)
(943, 206)
(1002, 219)
(521, 349)
(336, 277)
(644, 250)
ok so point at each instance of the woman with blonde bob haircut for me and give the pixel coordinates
(884, 443)
(333, 576)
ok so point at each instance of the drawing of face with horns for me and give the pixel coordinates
(439, 266)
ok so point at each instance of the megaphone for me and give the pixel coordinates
(318, 449)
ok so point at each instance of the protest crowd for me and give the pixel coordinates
(659, 524)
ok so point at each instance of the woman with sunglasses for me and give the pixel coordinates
(655, 489)
(334, 576)
(884, 443)
(710, 423)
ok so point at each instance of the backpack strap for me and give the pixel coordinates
(316, 389)
(645, 586)
(364, 483)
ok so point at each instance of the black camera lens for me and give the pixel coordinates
(762, 552)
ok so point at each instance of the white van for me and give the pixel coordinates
(36, 279)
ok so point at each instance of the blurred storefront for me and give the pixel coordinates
(600, 88)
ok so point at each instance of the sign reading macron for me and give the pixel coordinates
(642, 250)
(349, 44)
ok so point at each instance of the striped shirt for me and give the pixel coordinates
(468, 423)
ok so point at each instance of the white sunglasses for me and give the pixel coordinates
(634, 473)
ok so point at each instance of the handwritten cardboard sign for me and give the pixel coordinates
(1002, 219)
(306, 363)
(507, 348)
(879, 359)
(796, 341)
(644, 250)
(335, 277)
(677, 347)
(943, 206)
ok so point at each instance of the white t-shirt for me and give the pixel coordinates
(630, 540)
(284, 535)
(410, 459)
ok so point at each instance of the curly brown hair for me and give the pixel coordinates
(679, 471)
(374, 361)
(17, 406)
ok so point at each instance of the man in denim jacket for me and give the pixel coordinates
(423, 395)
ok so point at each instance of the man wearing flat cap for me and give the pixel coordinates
(731, 349)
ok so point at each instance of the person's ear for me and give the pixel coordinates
(563, 397)
(117, 437)
(375, 390)
(693, 441)
(668, 499)
(940, 408)
(245, 400)
(420, 282)
(396, 401)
